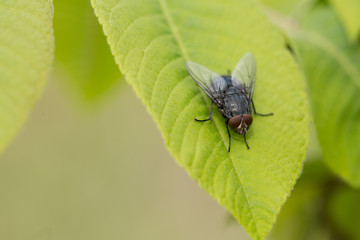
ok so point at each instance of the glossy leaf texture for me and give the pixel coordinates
(82, 55)
(333, 76)
(151, 41)
(26, 53)
(348, 11)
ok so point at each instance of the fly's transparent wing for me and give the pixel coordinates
(243, 76)
(211, 83)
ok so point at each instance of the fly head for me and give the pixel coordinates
(241, 123)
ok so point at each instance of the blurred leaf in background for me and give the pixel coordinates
(26, 54)
(82, 55)
(348, 11)
(321, 207)
(334, 84)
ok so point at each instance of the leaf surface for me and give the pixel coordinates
(333, 76)
(26, 53)
(151, 41)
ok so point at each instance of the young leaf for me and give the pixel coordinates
(334, 83)
(348, 11)
(82, 54)
(151, 41)
(26, 52)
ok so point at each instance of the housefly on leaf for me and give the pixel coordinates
(231, 94)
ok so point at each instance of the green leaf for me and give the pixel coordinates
(26, 53)
(334, 83)
(82, 55)
(151, 41)
(348, 11)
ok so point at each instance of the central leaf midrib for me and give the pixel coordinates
(181, 45)
(173, 28)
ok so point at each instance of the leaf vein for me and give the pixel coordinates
(129, 26)
(183, 137)
(171, 93)
(208, 157)
(173, 28)
(158, 75)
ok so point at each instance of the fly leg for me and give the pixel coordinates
(227, 127)
(209, 118)
(246, 141)
(260, 114)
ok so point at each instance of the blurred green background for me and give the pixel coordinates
(91, 164)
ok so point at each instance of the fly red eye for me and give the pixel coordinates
(247, 119)
(235, 121)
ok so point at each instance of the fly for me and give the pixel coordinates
(231, 94)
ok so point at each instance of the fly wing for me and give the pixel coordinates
(211, 83)
(244, 74)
